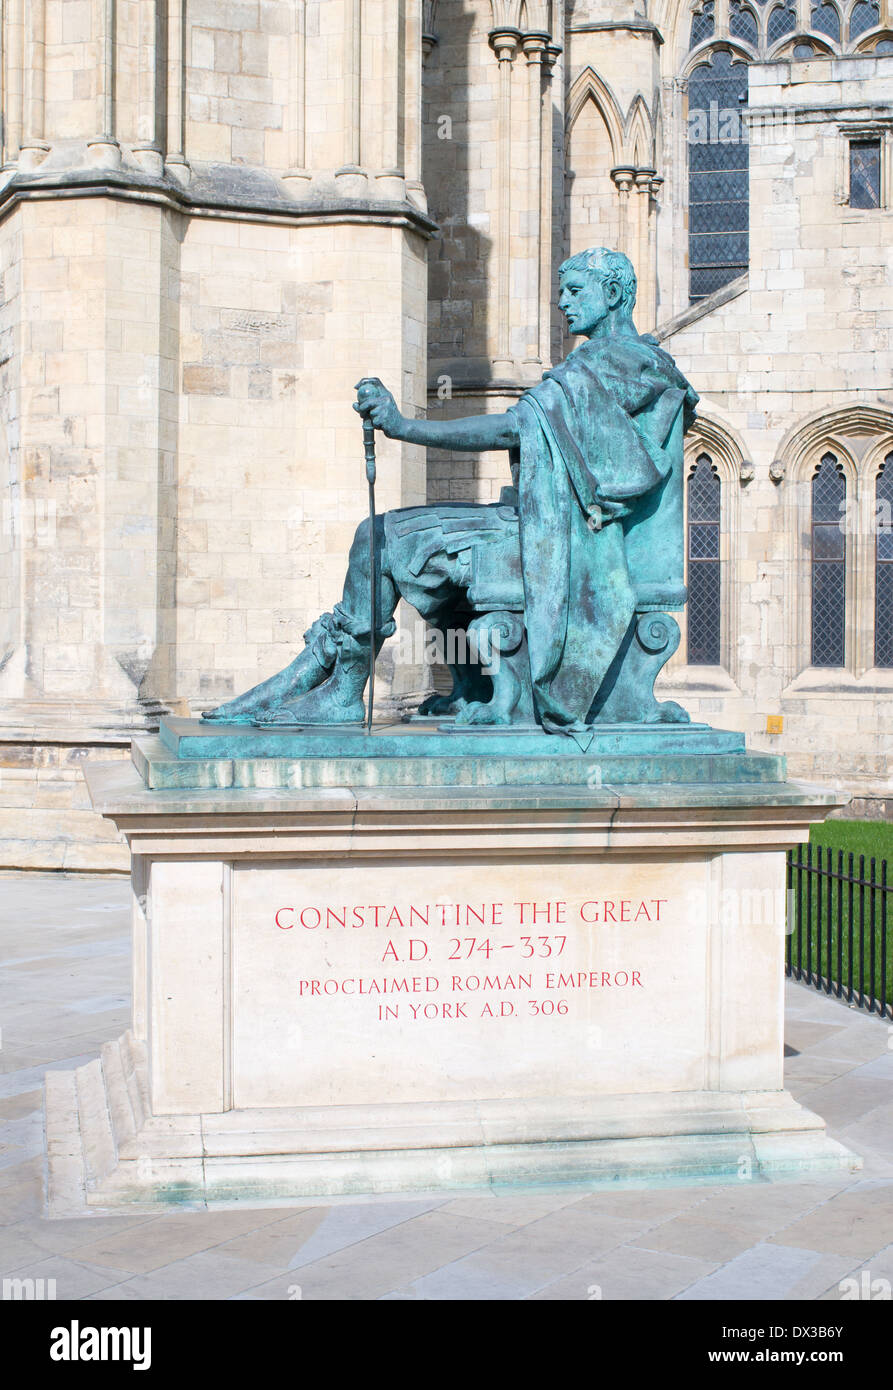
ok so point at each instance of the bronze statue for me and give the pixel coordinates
(571, 573)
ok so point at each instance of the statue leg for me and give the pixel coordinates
(308, 669)
(338, 697)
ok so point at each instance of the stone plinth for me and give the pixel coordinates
(374, 986)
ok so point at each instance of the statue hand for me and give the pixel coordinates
(375, 402)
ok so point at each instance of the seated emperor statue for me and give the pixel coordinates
(588, 446)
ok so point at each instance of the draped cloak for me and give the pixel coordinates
(594, 437)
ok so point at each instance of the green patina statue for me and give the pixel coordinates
(569, 578)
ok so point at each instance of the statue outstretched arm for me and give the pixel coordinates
(474, 432)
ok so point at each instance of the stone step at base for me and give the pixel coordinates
(100, 1160)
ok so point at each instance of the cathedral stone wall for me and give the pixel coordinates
(216, 216)
(796, 367)
(212, 224)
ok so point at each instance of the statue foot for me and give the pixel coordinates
(475, 712)
(436, 704)
(300, 676)
(442, 705)
(324, 705)
(669, 712)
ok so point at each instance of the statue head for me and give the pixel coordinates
(598, 291)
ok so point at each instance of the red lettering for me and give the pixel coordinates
(280, 924)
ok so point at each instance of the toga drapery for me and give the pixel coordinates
(593, 439)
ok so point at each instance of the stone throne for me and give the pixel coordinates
(492, 611)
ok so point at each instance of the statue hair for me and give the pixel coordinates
(607, 265)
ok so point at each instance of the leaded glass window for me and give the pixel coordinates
(883, 565)
(782, 20)
(702, 24)
(828, 564)
(743, 23)
(704, 576)
(826, 20)
(866, 14)
(865, 173)
(718, 174)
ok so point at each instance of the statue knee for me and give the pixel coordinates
(359, 550)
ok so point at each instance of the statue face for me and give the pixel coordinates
(587, 301)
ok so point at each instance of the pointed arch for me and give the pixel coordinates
(702, 54)
(588, 86)
(834, 429)
(594, 147)
(639, 131)
(870, 41)
(721, 442)
(785, 47)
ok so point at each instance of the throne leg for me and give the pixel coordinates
(627, 693)
(501, 642)
(470, 683)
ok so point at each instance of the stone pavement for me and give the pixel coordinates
(64, 957)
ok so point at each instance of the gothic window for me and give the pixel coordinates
(743, 23)
(826, 20)
(866, 14)
(782, 20)
(702, 24)
(883, 565)
(828, 563)
(865, 173)
(718, 174)
(704, 576)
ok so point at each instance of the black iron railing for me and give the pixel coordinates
(838, 940)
